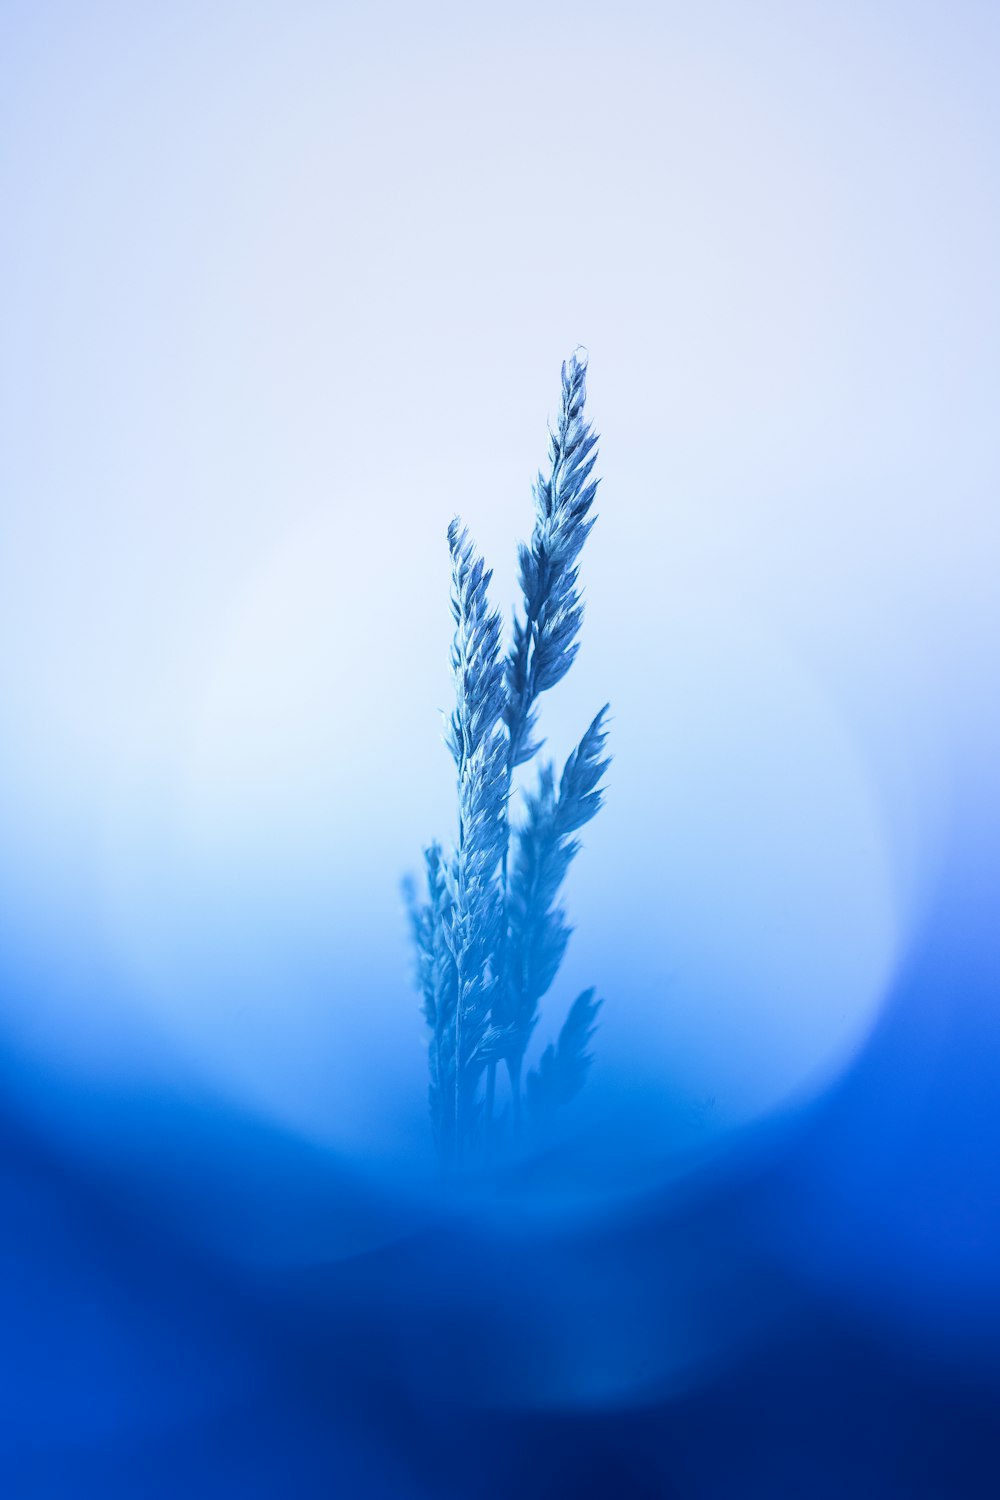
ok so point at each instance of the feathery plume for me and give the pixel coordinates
(478, 743)
(544, 848)
(545, 645)
(489, 940)
(562, 1068)
(438, 985)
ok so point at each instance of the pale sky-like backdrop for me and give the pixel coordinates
(283, 287)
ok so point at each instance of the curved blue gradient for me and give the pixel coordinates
(281, 289)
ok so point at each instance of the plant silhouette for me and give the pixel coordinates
(491, 934)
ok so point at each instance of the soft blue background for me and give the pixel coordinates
(282, 287)
(285, 287)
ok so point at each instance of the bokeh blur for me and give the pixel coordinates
(282, 288)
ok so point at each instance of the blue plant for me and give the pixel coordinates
(545, 644)
(491, 935)
(537, 931)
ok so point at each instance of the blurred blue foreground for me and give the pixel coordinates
(813, 1312)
